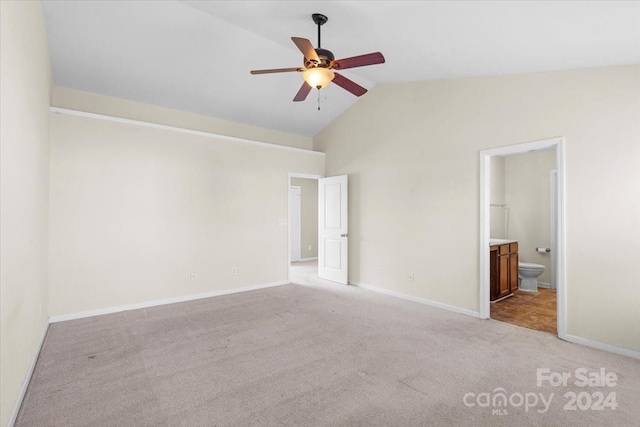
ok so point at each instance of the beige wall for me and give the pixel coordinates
(135, 210)
(101, 104)
(497, 213)
(411, 151)
(308, 216)
(25, 88)
(528, 195)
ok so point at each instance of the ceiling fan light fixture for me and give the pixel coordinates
(318, 77)
(319, 63)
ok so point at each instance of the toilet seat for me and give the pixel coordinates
(529, 266)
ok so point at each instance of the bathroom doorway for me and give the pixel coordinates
(522, 226)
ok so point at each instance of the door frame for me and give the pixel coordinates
(294, 175)
(556, 143)
(292, 232)
(553, 190)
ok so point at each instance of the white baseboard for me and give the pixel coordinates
(545, 285)
(27, 378)
(109, 310)
(602, 346)
(500, 299)
(309, 259)
(418, 300)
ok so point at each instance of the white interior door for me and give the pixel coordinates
(294, 222)
(332, 229)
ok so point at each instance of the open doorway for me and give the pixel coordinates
(522, 226)
(303, 226)
(522, 290)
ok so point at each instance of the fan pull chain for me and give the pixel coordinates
(318, 99)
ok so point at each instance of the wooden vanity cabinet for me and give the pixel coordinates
(503, 261)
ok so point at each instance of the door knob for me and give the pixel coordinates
(344, 235)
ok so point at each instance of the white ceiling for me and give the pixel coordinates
(196, 56)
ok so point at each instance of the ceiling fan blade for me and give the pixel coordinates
(306, 48)
(349, 85)
(302, 93)
(358, 61)
(276, 70)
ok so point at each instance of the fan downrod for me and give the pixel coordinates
(320, 20)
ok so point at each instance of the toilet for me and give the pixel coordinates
(528, 274)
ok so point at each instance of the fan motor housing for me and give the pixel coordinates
(326, 56)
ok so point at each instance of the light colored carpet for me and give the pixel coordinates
(313, 355)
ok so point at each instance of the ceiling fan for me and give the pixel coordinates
(319, 66)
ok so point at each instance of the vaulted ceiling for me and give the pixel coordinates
(196, 56)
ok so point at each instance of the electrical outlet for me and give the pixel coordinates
(412, 277)
(193, 276)
(309, 247)
(380, 271)
(234, 270)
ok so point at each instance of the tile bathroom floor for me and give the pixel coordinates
(530, 310)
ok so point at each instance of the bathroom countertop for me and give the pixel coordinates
(493, 242)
